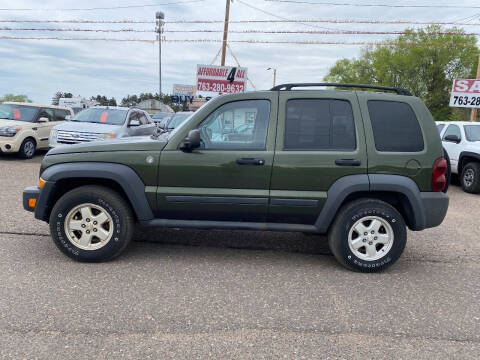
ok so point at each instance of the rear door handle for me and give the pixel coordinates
(250, 161)
(348, 162)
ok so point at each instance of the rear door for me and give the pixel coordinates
(228, 178)
(320, 139)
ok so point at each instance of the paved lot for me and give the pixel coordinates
(222, 294)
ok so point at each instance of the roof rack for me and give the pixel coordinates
(399, 91)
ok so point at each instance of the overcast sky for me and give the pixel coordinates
(39, 68)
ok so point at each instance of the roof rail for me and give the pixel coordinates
(399, 91)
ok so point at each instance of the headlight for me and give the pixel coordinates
(9, 130)
(107, 136)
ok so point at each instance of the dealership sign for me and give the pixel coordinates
(221, 79)
(465, 93)
(184, 90)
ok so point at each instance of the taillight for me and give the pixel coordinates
(439, 181)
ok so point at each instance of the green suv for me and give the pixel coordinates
(360, 166)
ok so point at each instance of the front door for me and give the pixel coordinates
(453, 149)
(319, 140)
(228, 177)
(44, 128)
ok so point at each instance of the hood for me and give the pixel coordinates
(133, 143)
(6, 122)
(87, 127)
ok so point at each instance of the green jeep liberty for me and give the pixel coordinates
(357, 165)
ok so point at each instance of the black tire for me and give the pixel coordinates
(25, 151)
(448, 175)
(348, 216)
(470, 178)
(112, 203)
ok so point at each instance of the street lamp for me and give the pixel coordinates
(274, 75)
(159, 29)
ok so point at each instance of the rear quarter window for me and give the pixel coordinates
(395, 126)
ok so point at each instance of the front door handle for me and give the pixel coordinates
(250, 161)
(348, 162)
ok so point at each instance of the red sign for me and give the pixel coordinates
(221, 79)
(465, 93)
(103, 116)
(466, 86)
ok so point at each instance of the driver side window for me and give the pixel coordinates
(239, 125)
(452, 130)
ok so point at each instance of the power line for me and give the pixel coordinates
(330, 21)
(251, 41)
(281, 17)
(375, 5)
(105, 8)
(246, 31)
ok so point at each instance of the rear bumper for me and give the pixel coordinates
(435, 206)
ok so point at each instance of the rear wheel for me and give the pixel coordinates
(27, 149)
(368, 235)
(470, 178)
(91, 223)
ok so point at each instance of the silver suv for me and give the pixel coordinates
(102, 123)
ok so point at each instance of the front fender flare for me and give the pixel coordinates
(123, 175)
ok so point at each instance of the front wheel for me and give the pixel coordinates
(368, 235)
(91, 223)
(27, 148)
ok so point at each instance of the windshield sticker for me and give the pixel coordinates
(16, 113)
(103, 117)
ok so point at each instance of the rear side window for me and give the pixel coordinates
(319, 124)
(395, 127)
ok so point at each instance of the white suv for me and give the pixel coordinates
(25, 127)
(461, 140)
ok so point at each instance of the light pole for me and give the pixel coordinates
(159, 29)
(274, 75)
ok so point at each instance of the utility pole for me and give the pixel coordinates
(225, 32)
(473, 114)
(274, 75)
(159, 29)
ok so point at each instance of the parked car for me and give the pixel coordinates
(102, 123)
(26, 127)
(359, 166)
(176, 120)
(461, 140)
(161, 117)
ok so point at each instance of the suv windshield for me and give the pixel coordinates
(18, 112)
(102, 116)
(472, 132)
(177, 119)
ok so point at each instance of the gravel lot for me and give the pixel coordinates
(225, 294)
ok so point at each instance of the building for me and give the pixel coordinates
(153, 106)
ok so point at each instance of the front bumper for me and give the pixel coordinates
(30, 198)
(9, 144)
(435, 206)
(43, 197)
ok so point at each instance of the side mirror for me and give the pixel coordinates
(134, 122)
(192, 141)
(452, 138)
(43, 120)
(67, 117)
